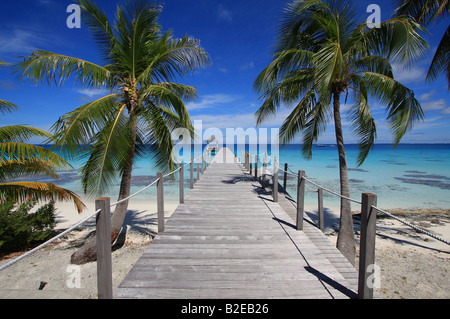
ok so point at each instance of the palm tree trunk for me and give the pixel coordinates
(125, 185)
(88, 252)
(346, 239)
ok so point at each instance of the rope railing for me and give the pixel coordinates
(412, 226)
(380, 210)
(368, 219)
(332, 192)
(99, 211)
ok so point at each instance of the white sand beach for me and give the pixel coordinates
(412, 265)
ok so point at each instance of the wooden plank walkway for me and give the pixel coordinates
(230, 240)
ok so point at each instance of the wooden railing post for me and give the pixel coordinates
(250, 157)
(202, 165)
(103, 239)
(198, 170)
(285, 176)
(256, 167)
(160, 202)
(300, 199)
(246, 161)
(191, 184)
(182, 184)
(367, 246)
(263, 175)
(320, 209)
(275, 180)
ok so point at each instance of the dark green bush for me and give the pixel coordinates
(20, 229)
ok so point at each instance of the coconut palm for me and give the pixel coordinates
(426, 12)
(18, 159)
(322, 54)
(142, 107)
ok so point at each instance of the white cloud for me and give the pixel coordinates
(18, 41)
(247, 66)
(46, 2)
(440, 104)
(428, 104)
(411, 75)
(427, 96)
(210, 101)
(224, 14)
(446, 110)
(92, 92)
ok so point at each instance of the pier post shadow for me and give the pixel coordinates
(333, 283)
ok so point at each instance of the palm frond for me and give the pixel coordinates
(75, 130)
(107, 155)
(162, 94)
(24, 151)
(402, 107)
(401, 39)
(48, 67)
(317, 121)
(174, 57)
(99, 25)
(423, 11)
(13, 147)
(7, 107)
(136, 27)
(329, 65)
(296, 121)
(12, 169)
(441, 59)
(24, 191)
(160, 124)
(20, 133)
(362, 121)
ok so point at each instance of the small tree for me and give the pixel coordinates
(19, 228)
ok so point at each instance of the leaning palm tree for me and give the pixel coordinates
(142, 107)
(19, 159)
(426, 12)
(322, 54)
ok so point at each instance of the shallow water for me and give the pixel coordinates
(409, 176)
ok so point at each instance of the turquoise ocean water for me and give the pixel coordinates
(409, 176)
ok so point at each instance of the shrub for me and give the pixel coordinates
(20, 229)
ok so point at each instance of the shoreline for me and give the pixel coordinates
(413, 265)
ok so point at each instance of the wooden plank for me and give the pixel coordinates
(229, 241)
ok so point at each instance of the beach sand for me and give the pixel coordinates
(412, 265)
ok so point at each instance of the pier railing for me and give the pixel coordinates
(103, 221)
(368, 204)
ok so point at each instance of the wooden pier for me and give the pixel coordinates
(229, 239)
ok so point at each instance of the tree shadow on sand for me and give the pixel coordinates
(143, 222)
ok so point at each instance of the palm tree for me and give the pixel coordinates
(19, 159)
(323, 54)
(143, 107)
(426, 12)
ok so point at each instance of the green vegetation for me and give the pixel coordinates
(19, 229)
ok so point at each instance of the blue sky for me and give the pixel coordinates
(238, 35)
